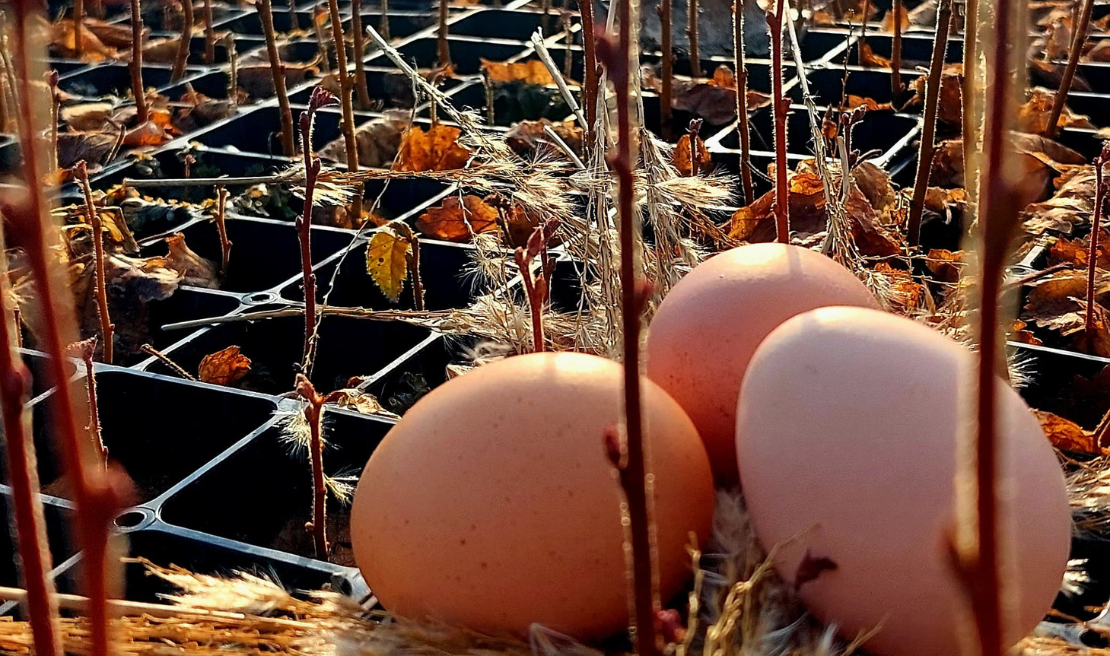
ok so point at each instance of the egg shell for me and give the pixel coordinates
(492, 503)
(706, 329)
(847, 444)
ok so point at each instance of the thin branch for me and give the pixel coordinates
(165, 359)
(1092, 253)
(586, 9)
(320, 98)
(692, 12)
(345, 91)
(107, 329)
(182, 57)
(221, 226)
(209, 34)
(136, 63)
(1079, 39)
(359, 53)
(929, 122)
(666, 94)
(266, 15)
(969, 92)
(85, 350)
(442, 49)
(314, 414)
(781, 106)
(742, 128)
(896, 87)
(553, 70)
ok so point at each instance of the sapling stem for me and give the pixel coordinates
(589, 91)
(443, 50)
(537, 287)
(666, 93)
(896, 56)
(55, 102)
(165, 359)
(209, 34)
(97, 497)
(5, 107)
(863, 29)
(188, 163)
(314, 412)
(487, 86)
(78, 24)
(137, 88)
(86, 348)
(969, 92)
(321, 42)
(266, 15)
(359, 52)
(781, 105)
(96, 228)
(693, 131)
(1074, 52)
(221, 227)
(634, 470)
(233, 72)
(1092, 254)
(346, 103)
(182, 57)
(977, 553)
(929, 122)
(414, 270)
(383, 23)
(294, 24)
(30, 527)
(320, 98)
(692, 36)
(568, 38)
(742, 102)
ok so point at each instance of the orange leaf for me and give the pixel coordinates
(528, 72)
(867, 56)
(455, 221)
(1067, 435)
(224, 367)
(682, 160)
(435, 150)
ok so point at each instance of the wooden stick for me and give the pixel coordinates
(86, 348)
(182, 57)
(266, 15)
(929, 122)
(589, 91)
(666, 97)
(221, 226)
(314, 414)
(1077, 42)
(634, 468)
(209, 35)
(345, 102)
(96, 226)
(137, 88)
(969, 92)
(781, 105)
(359, 54)
(173, 366)
(1092, 253)
(742, 127)
(896, 87)
(441, 37)
(293, 22)
(692, 35)
(320, 98)
(55, 111)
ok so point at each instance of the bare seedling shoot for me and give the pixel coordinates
(441, 37)
(86, 349)
(969, 91)
(896, 86)
(182, 57)
(666, 98)
(929, 122)
(692, 12)
(314, 414)
(536, 287)
(1092, 253)
(383, 23)
(221, 226)
(633, 466)
(781, 105)
(96, 233)
(137, 88)
(359, 54)
(266, 15)
(345, 102)
(320, 98)
(55, 110)
(589, 92)
(209, 34)
(321, 42)
(165, 359)
(742, 127)
(1079, 39)
(693, 130)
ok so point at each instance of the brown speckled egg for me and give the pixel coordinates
(847, 444)
(492, 503)
(708, 326)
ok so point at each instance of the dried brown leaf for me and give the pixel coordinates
(224, 367)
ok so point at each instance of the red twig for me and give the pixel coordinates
(34, 554)
(55, 109)
(1092, 254)
(742, 102)
(383, 23)
(97, 496)
(968, 88)
(221, 227)
(182, 57)
(929, 122)
(586, 9)
(209, 34)
(692, 12)
(666, 98)
(896, 87)
(781, 105)
(693, 130)
(85, 349)
(320, 98)
(1076, 49)
(96, 227)
(277, 70)
(137, 88)
(345, 83)
(443, 50)
(616, 60)
(359, 53)
(537, 287)
(314, 413)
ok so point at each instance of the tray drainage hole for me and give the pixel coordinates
(259, 298)
(130, 519)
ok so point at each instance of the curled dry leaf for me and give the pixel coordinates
(870, 104)
(63, 43)
(713, 100)
(526, 137)
(1033, 116)
(434, 150)
(194, 269)
(1018, 333)
(88, 116)
(1071, 205)
(950, 106)
(359, 401)
(1076, 253)
(387, 262)
(905, 293)
(684, 163)
(458, 221)
(867, 57)
(945, 264)
(378, 141)
(1067, 435)
(224, 367)
(528, 72)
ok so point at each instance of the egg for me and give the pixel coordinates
(706, 329)
(492, 504)
(846, 434)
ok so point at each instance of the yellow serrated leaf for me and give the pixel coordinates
(387, 262)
